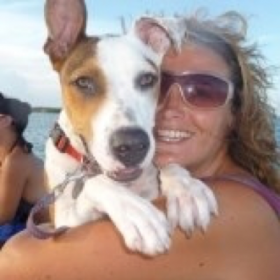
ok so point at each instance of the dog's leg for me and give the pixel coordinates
(144, 228)
(190, 202)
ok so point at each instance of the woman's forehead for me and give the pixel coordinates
(195, 57)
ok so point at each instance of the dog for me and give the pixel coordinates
(110, 87)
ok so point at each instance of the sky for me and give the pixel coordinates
(26, 73)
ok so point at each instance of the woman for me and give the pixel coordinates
(213, 119)
(21, 172)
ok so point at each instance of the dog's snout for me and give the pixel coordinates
(130, 145)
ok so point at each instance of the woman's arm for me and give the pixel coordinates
(243, 242)
(12, 182)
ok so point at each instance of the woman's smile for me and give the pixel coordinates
(172, 135)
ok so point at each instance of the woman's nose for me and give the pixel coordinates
(173, 104)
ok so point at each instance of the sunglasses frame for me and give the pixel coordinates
(175, 75)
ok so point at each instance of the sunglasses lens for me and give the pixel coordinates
(200, 90)
(204, 91)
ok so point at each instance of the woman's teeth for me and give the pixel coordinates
(172, 135)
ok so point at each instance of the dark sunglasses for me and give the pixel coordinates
(201, 90)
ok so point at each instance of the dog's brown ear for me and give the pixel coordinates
(159, 33)
(66, 23)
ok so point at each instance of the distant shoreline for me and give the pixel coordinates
(46, 110)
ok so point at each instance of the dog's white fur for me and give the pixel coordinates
(143, 227)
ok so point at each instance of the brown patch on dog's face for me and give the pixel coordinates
(83, 86)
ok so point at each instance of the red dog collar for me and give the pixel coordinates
(62, 143)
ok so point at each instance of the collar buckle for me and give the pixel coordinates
(60, 140)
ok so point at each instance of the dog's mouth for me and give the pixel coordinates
(125, 175)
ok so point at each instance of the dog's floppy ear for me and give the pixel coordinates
(158, 33)
(66, 23)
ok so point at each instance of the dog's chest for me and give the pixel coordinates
(147, 186)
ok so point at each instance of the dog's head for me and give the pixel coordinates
(109, 85)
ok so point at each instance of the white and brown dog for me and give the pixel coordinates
(109, 87)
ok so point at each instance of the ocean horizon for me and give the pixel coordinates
(40, 124)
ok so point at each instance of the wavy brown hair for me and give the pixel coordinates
(252, 141)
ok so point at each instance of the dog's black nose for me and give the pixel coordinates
(130, 145)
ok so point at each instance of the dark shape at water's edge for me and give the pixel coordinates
(46, 110)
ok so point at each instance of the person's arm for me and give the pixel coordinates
(36, 186)
(12, 182)
(242, 243)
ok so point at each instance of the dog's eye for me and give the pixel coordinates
(85, 84)
(146, 80)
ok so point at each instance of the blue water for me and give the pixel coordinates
(38, 130)
(40, 124)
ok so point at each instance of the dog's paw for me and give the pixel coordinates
(190, 202)
(145, 229)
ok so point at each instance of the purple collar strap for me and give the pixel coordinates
(269, 195)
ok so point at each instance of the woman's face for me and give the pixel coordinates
(192, 137)
(3, 121)
(5, 126)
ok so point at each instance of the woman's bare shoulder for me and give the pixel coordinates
(20, 161)
(250, 227)
(241, 204)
